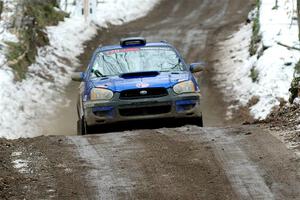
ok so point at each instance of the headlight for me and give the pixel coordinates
(184, 87)
(101, 94)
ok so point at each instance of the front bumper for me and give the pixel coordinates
(116, 110)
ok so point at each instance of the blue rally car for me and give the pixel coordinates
(137, 80)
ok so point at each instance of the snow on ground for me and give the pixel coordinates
(273, 62)
(23, 104)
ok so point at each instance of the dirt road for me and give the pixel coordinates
(241, 162)
(177, 163)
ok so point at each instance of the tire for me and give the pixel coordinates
(198, 121)
(82, 127)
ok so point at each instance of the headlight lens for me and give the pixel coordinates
(101, 94)
(184, 87)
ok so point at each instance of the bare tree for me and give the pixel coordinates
(298, 15)
(1, 8)
(276, 5)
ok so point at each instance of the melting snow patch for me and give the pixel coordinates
(230, 110)
(274, 64)
(18, 153)
(21, 165)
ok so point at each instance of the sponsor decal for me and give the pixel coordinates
(142, 85)
(121, 50)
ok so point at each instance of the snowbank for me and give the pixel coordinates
(273, 64)
(22, 104)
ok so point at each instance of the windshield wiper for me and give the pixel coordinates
(176, 65)
(97, 73)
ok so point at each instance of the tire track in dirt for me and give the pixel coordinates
(174, 166)
(167, 163)
(151, 164)
(242, 173)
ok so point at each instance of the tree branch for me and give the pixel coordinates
(287, 46)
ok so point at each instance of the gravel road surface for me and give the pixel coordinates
(168, 163)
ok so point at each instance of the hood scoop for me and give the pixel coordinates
(139, 74)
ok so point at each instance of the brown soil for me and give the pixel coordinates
(168, 163)
(46, 169)
(286, 122)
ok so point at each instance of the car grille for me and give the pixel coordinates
(155, 110)
(143, 93)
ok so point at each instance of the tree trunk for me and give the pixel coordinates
(1, 8)
(298, 15)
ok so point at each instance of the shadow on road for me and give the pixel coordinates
(143, 124)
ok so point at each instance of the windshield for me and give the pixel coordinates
(130, 60)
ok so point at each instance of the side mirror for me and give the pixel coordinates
(77, 76)
(197, 67)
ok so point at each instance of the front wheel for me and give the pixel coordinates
(198, 121)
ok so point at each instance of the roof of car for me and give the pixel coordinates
(150, 44)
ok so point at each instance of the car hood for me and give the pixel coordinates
(162, 79)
